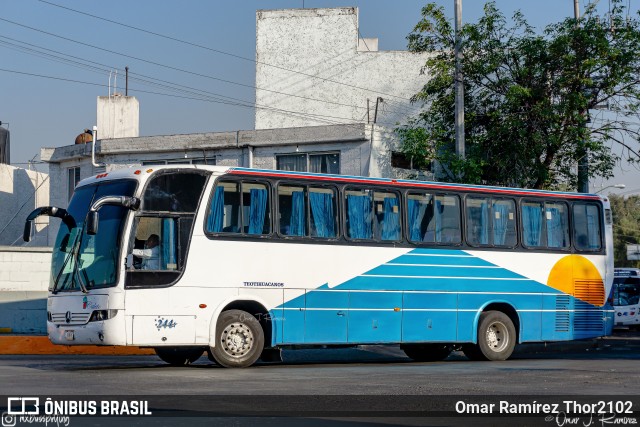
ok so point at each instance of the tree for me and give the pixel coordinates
(529, 97)
(626, 228)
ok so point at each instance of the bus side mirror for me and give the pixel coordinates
(92, 222)
(28, 226)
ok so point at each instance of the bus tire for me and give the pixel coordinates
(426, 352)
(179, 356)
(496, 338)
(239, 339)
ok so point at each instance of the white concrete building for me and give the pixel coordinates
(313, 69)
(21, 191)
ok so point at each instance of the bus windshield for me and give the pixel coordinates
(91, 259)
(626, 291)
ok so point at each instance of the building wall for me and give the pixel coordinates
(21, 191)
(24, 279)
(118, 117)
(323, 44)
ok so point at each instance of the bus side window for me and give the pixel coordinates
(504, 222)
(478, 224)
(417, 217)
(532, 213)
(359, 214)
(323, 213)
(256, 210)
(448, 208)
(292, 210)
(557, 218)
(433, 219)
(387, 216)
(155, 246)
(586, 227)
(224, 213)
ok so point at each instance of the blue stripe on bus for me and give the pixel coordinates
(421, 296)
(443, 271)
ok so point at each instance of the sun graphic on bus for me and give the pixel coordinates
(576, 275)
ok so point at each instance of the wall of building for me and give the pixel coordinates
(21, 191)
(323, 44)
(118, 117)
(24, 279)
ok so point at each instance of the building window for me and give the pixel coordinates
(73, 180)
(309, 162)
(400, 160)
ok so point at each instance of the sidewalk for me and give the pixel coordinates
(29, 344)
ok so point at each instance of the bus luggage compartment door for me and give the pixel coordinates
(164, 330)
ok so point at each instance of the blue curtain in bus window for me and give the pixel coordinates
(483, 235)
(593, 227)
(437, 218)
(391, 219)
(414, 219)
(555, 230)
(359, 216)
(257, 210)
(322, 211)
(500, 218)
(296, 224)
(216, 216)
(168, 243)
(532, 224)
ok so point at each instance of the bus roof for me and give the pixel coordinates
(626, 272)
(142, 172)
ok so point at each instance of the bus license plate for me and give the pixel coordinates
(69, 335)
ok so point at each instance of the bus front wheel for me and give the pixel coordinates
(179, 356)
(426, 352)
(239, 339)
(496, 338)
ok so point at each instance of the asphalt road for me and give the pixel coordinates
(599, 368)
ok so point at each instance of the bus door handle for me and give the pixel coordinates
(340, 313)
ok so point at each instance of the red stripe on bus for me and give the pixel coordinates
(416, 185)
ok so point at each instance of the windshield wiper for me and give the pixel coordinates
(76, 266)
(64, 264)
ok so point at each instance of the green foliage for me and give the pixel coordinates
(626, 228)
(530, 99)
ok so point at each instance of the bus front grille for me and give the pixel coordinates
(70, 318)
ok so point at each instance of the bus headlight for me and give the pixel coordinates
(100, 315)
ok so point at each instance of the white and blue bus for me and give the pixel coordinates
(626, 297)
(242, 262)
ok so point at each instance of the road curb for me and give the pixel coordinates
(30, 344)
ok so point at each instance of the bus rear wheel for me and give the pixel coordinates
(179, 356)
(239, 339)
(426, 352)
(496, 338)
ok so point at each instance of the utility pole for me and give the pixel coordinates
(583, 160)
(459, 115)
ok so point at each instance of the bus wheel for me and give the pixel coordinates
(179, 356)
(426, 352)
(239, 339)
(496, 338)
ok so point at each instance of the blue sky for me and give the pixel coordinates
(47, 112)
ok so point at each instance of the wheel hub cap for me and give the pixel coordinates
(237, 339)
(497, 336)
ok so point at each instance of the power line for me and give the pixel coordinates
(182, 70)
(314, 116)
(216, 50)
(58, 56)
